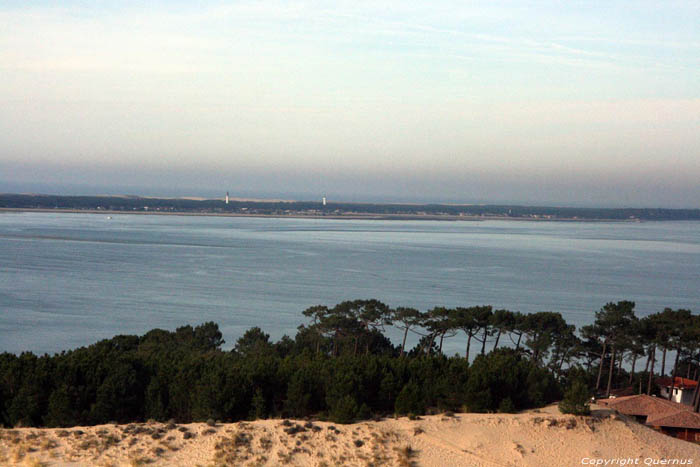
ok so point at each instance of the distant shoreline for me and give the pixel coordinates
(354, 216)
(320, 209)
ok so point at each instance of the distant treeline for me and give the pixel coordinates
(340, 366)
(139, 204)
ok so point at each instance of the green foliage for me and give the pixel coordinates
(156, 399)
(60, 410)
(302, 392)
(505, 374)
(258, 406)
(254, 340)
(541, 330)
(576, 399)
(344, 410)
(409, 400)
(506, 406)
(161, 376)
(340, 364)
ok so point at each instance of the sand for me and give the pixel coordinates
(534, 438)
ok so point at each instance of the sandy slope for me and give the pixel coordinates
(535, 438)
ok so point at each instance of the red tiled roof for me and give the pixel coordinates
(628, 391)
(643, 405)
(659, 411)
(681, 383)
(680, 419)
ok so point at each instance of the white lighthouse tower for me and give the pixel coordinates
(324, 200)
(227, 197)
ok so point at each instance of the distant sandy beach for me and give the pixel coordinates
(358, 216)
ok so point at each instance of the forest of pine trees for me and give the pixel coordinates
(341, 366)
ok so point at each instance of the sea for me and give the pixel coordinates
(69, 280)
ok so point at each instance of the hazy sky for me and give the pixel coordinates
(566, 102)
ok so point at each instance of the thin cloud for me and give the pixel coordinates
(444, 90)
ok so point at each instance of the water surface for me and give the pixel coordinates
(70, 279)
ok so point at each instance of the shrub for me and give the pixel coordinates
(364, 413)
(576, 400)
(506, 406)
(344, 410)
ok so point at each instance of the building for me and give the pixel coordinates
(683, 389)
(671, 418)
(683, 424)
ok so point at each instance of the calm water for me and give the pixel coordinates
(70, 279)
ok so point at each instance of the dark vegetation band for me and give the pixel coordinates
(341, 366)
(182, 205)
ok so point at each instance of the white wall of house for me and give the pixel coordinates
(682, 396)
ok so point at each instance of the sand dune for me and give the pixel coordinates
(534, 438)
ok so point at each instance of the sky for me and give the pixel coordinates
(582, 103)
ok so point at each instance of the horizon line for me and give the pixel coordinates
(319, 201)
